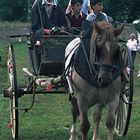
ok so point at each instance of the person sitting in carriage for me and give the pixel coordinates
(46, 14)
(95, 16)
(76, 16)
(86, 9)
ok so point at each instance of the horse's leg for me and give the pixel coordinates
(97, 118)
(110, 120)
(75, 114)
(85, 125)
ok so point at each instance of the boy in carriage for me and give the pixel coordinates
(46, 14)
(85, 7)
(76, 16)
(96, 15)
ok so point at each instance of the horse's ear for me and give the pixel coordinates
(98, 29)
(119, 30)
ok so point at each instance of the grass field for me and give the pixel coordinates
(50, 117)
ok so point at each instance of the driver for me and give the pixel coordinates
(46, 14)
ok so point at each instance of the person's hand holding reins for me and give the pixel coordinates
(47, 31)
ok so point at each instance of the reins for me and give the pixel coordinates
(41, 21)
(89, 65)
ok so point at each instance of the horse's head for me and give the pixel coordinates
(105, 50)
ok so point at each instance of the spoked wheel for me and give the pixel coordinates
(13, 124)
(123, 113)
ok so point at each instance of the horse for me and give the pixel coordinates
(101, 62)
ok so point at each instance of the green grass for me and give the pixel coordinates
(12, 24)
(50, 118)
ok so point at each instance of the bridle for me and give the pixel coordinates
(116, 68)
(106, 67)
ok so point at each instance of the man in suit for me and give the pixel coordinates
(46, 14)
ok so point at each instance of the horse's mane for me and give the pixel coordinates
(103, 25)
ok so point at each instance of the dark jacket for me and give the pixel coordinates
(76, 22)
(57, 17)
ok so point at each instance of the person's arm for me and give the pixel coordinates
(35, 19)
(90, 17)
(47, 31)
(89, 7)
(68, 21)
(61, 17)
(106, 17)
(68, 9)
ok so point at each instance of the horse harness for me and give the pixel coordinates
(80, 61)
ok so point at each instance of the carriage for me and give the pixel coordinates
(46, 71)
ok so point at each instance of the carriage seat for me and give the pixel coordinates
(48, 60)
(49, 68)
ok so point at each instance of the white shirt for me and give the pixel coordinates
(132, 44)
(85, 5)
(50, 3)
(55, 2)
(91, 17)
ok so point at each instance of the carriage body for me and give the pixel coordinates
(47, 62)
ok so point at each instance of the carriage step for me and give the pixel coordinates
(7, 92)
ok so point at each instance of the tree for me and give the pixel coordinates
(120, 10)
(13, 10)
(123, 10)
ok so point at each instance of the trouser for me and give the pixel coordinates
(133, 53)
(38, 35)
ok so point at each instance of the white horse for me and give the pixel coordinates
(102, 56)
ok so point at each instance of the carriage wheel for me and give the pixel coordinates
(125, 104)
(13, 124)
